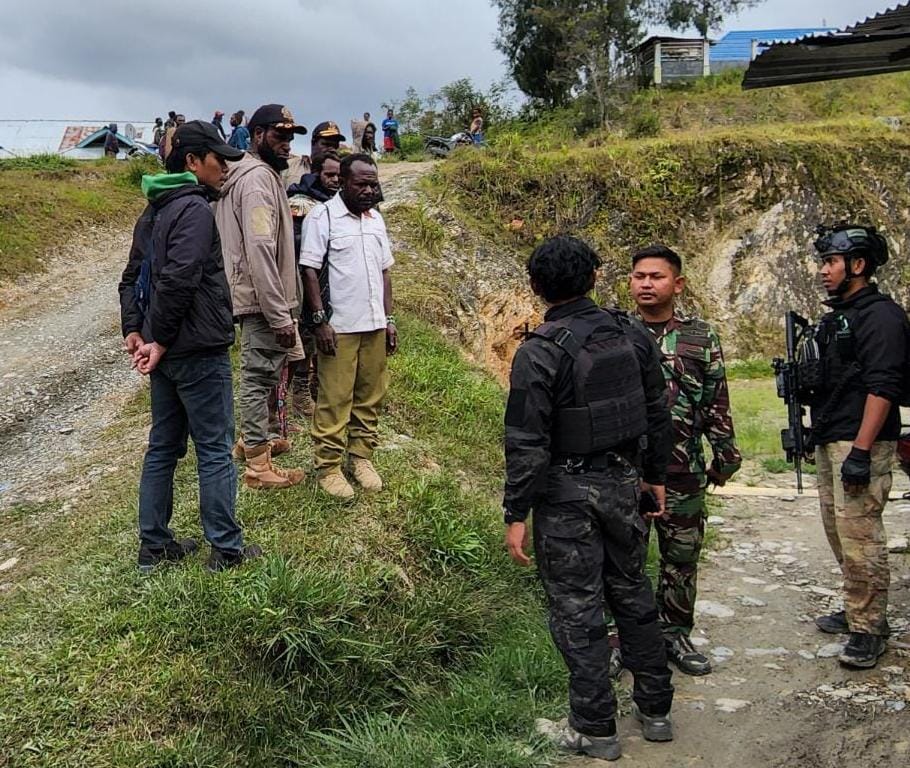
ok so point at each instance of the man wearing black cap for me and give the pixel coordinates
(254, 220)
(177, 323)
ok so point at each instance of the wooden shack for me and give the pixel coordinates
(663, 60)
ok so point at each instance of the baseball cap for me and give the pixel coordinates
(198, 134)
(328, 130)
(276, 115)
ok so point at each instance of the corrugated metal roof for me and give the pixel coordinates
(737, 45)
(876, 46)
(664, 39)
(32, 137)
(891, 20)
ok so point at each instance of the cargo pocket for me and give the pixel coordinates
(566, 549)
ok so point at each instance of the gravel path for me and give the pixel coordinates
(63, 375)
(778, 697)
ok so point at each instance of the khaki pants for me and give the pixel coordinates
(352, 385)
(261, 361)
(856, 534)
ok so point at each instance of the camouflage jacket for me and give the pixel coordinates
(541, 382)
(693, 366)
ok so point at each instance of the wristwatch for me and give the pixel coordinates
(320, 317)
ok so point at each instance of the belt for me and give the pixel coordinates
(578, 465)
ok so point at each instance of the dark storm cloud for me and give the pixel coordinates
(325, 60)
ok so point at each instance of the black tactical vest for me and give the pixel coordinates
(609, 401)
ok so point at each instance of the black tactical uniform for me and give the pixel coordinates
(862, 343)
(586, 387)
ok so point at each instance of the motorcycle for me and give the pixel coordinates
(440, 146)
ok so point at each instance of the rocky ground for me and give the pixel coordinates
(778, 696)
(63, 376)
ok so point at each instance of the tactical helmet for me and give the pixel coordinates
(852, 240)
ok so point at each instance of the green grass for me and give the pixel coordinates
(758, 416)
(388, 632)
(47, 200)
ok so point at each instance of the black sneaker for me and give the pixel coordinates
(683, 654)
(563, 736)
(834, 623)
(654, 727)
(862, 650)
(172, 552)
(221, 560)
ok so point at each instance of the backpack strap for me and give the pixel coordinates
(570, 334)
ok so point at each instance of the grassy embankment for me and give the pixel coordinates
(46, 200)
(691, 190)
(391, 632)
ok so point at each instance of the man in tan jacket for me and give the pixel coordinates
(257, 234)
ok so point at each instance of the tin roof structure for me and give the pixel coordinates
(21, 138)
(875, 46)
(737, 45)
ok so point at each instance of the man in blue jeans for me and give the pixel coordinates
(177, 323)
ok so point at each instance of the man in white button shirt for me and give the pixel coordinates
(353, 325)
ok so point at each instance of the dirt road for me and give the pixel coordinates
(63, 376)
(777, 697)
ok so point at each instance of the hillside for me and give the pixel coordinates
(394, 632)
(740, 204)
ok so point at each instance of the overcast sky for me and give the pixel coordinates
(99, 60)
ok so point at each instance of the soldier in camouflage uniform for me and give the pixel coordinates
(586, 386)
(693, 366)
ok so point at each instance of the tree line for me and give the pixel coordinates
(559, 49)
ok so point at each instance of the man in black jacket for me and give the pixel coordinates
(177, 322)
(586, 388)
(855, 425)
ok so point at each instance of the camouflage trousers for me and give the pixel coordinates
(590, 545)
(853, 525)
(680, 537)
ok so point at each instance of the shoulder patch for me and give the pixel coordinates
(261, 221)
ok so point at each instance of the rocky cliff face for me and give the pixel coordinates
(740, 208)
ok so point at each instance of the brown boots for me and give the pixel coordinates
(302, 405)
(261, 474)
(278, 445)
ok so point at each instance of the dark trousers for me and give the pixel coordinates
(193, 397)
(590, 545)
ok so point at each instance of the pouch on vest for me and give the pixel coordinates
(609, 401)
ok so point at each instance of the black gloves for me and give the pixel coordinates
(856, 470)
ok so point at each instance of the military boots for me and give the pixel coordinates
(262, 475)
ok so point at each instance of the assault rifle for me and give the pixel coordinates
(796, 438)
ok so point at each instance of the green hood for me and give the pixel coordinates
(159, 184)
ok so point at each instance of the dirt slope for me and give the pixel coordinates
(63, 376)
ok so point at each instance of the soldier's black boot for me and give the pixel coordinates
(863, 650)
(833, 623)
(654, 727)
(683, 654)
(563, 736)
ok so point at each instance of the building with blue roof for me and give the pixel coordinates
(738, 48)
